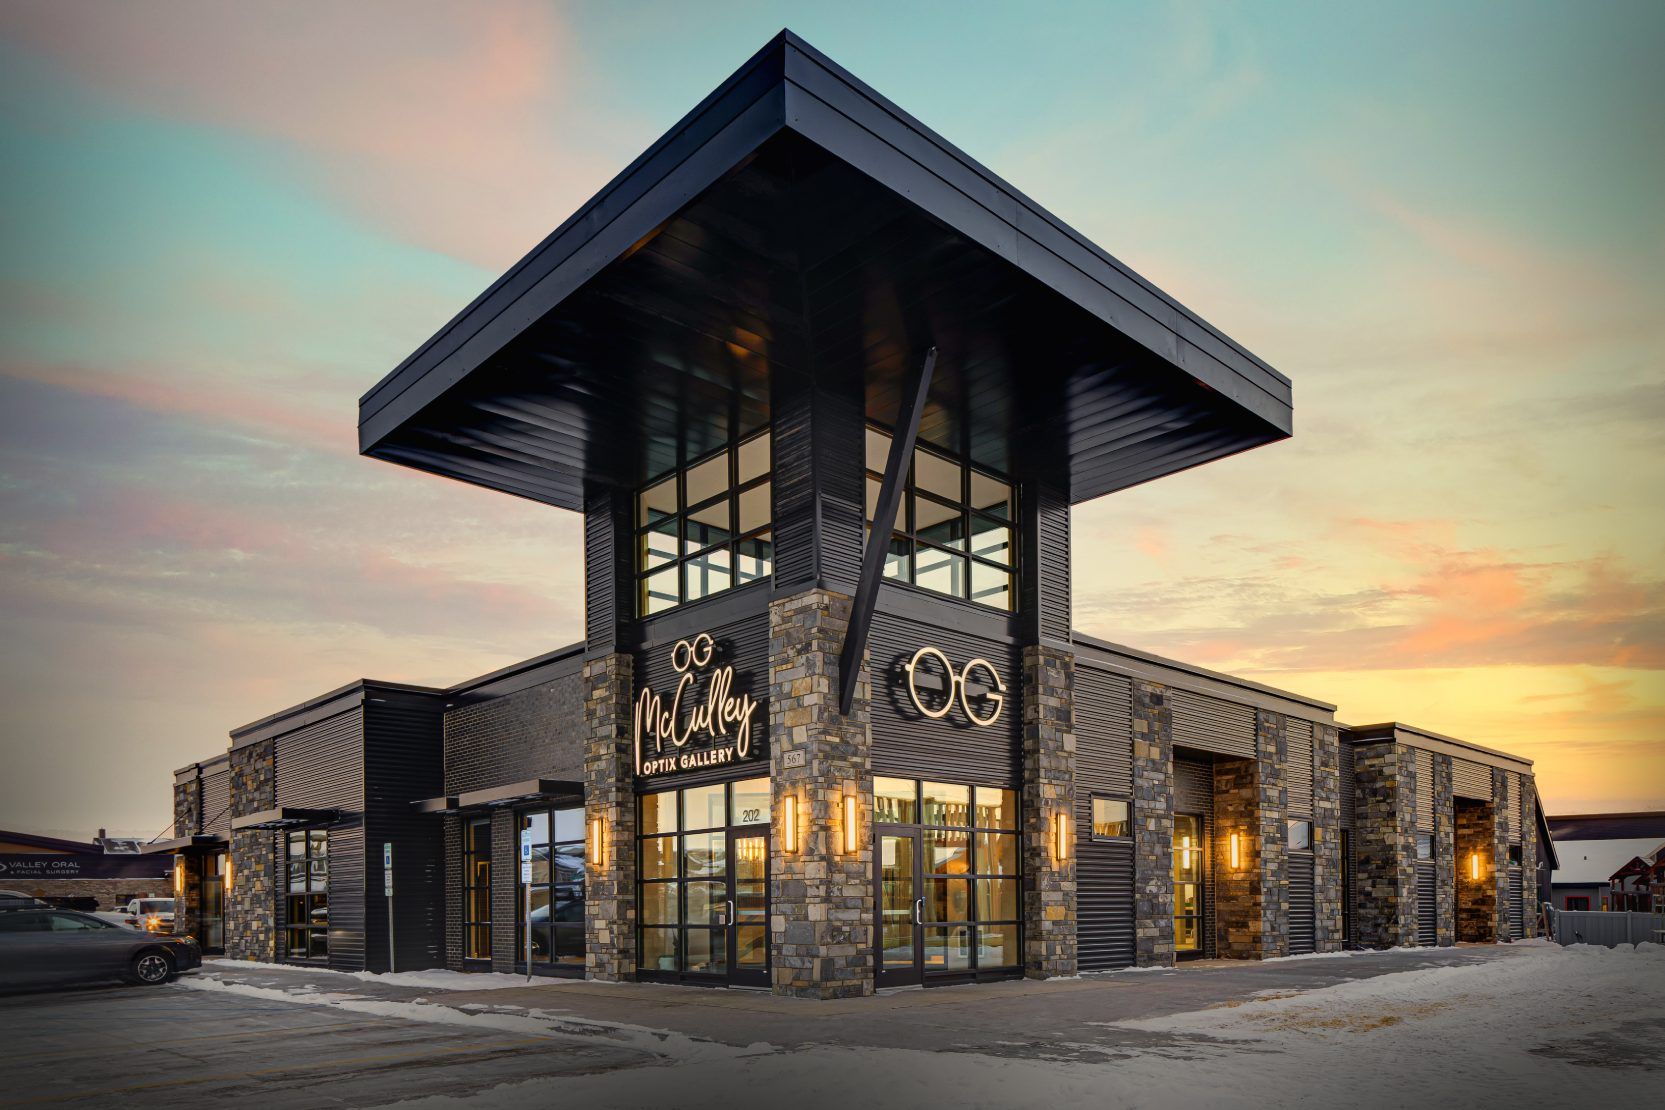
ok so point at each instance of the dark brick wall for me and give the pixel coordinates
(532, 733)
(454, 892)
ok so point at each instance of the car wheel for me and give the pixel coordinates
(152, 968)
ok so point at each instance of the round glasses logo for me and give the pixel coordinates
(952, 686)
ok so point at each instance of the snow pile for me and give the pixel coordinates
(437, 979)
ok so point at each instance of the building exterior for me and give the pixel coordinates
(77, 873)
(1605, 858)
(790, 756)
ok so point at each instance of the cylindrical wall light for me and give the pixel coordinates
(598, 843)
(1061, 836)
(1236, 858)
(228, 874)
(789, 823)
(1185, 852)
(1474, 866)
(179, 876)
(852, 841)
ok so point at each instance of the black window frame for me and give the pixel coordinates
(552, 963)
(906, 531)
(476, 890)
(312, 896)
(1092, 817)
(680, 564)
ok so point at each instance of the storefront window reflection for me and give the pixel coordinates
(306, 903)
(706, 528)
(556, 836)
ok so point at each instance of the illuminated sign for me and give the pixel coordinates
(685, 733)
(959, 687)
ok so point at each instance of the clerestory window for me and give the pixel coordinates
(705, 528)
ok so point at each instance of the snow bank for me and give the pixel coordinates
(438, 979)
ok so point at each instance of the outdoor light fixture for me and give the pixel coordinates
(1236, 860)
(789, 823)
(598, 842)
(851, 841)
(1185, 852)
(228, 874)
(1474, 866)
(179, 878)
(1060, 836)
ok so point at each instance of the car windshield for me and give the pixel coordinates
(156, 905)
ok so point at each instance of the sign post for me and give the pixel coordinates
(526, 885)
(387, 887)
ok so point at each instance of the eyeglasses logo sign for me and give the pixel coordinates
(724, 721)
(956, 686)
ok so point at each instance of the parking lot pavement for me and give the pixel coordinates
(175, 1046)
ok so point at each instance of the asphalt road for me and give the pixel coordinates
(173, 1047)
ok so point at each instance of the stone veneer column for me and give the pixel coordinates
(1445, 854)
(1385, 834)
(187, 821)
(1153, 825)
(1326, 839)
(1474, 831)
(821, 897)
(1049, 918)
(251, 911)
(1529, 854)
(1238, 892)
(609, 796)
(1272, 768)
(1500, 854)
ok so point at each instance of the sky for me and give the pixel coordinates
(221, 224)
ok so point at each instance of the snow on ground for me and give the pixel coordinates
(433, 979)
(1545, 1025)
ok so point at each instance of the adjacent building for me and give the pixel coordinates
(1608, 861)
(825, 391)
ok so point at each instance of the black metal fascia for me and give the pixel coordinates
(878, 540)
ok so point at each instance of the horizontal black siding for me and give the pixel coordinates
(1302, 920)
(1424, 791)
(1427, 931)
(1517, 903)
(1471, 780)
(321, 766)
(404, 753)
(1104, 903)
(216, 801)
(1299, 768)
(1104, 868)
(1103, 731)
(1348, 805)
(1211, 725)
(950, 749)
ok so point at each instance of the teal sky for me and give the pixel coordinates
(222, 223)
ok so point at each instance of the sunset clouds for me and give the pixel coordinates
(222, 223)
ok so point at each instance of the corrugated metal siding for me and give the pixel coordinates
(609, 567)
(404, 764)
(1348, 783)
(321, 766)
(1104, 868)
(1349, 889)
(1298, 772)
(950, 748)
(840, 478)
(1512, 784)
(1211, 725)
(1470, 779)
(1424, 790)
(1103, 731)
(1194, 793)
(1302, 917)
(1427, 928)
(794, 485)
(1052, 561)
(743, 643)
(216, 801)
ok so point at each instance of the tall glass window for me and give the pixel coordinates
(706, 528)
(477, 889)
(307, 921)
(954, 527)
(557, 888)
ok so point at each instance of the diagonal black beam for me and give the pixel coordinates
(878, 540)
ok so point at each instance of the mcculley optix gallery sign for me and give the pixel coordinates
(693, 727)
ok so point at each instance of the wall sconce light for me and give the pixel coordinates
(1236, 858)
(1474, 866)
(598, 843)
(1061, 836)
(789, 823)
(1185, 852)
(228, 874)
(179, 876)
(852, 842)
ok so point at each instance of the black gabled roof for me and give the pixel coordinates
(797, 222)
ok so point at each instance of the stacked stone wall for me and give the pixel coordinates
(1049, 883)
(251, 909)
(1473, 834)
(1239, 893)
(1326, 839)
(821, 896)
(1500, 854)
(609, 797)
(1272, 769)
(187, 889)
(1153, 825)
(1445, 854)
(1529, 854)
(1385, 838)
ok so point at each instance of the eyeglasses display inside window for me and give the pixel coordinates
(705, 528)
(954, 529)
(307, 900)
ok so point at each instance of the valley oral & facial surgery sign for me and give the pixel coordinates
(707, 734)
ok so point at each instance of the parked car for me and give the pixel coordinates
(151, 915)
(17, 900)
(53, 947)
(114, 917)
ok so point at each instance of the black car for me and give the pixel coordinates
(47, 947)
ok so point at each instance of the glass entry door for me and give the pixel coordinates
(901, 907)
(1188, 884)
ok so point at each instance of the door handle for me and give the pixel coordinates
(728, 918)
(919, 911)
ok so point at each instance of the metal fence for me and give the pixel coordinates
(1607, 929)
